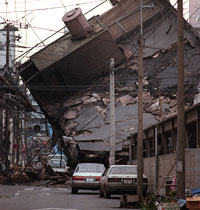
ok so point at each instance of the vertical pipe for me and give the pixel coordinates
(11, 138)
(7, 45)
(140, 110)
(23, 138)
(130, 151)
(112, 113)
(20, 140)
(1, 131)
(197, 129)
(17, 136)
(6, 138)
(156, 158)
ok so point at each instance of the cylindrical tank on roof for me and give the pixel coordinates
(76, 23)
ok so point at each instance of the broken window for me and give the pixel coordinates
(145, 149)
(191, 137)
(168, 142)
(160, 145)
(151, 147)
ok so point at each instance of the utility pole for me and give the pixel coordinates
(112, 113)
(180, 155)
(140, 111)
(7, 45)
(7, 109)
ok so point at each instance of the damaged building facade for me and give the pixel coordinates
(70, 78)
(160, 145)
(14, 104)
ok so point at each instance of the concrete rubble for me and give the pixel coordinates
(40, 176)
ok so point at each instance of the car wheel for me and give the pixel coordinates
(74, 190)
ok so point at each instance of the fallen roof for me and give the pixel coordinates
(54, 73)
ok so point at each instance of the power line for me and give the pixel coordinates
(25, 54)
(50, 8)
(123, 10)
(20, 2)
(20, 25)
(98, 5)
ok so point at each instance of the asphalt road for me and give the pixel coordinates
(43, 198)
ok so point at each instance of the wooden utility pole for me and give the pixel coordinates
(180, 155)
(140, 110)
(7, 45)
(7, 109)
(112, 113)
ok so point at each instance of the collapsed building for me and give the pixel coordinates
(70, 77)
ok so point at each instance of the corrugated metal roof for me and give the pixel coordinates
(126, 123)
(127, 14)
(89, 118)
(97, 146)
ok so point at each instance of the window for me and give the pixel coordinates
(123, 170)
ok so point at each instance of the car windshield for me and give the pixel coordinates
(123, 170)
(57, 163)
(90, 168)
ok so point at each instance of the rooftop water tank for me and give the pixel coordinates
(77, 23)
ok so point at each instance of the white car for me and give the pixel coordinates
(58, 163)
(87, 176)
(120, 179)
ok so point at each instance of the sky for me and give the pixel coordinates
(39, 19)
(185, 7)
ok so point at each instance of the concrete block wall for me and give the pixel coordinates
(150, 171)
(192, 168)
(165, 163)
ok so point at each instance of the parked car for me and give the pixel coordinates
(120, 179)
(87, 176)
(58, 163)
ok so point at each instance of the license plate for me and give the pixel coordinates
(127, 181)
(89, 179)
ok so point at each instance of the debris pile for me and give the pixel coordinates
(37, 177)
